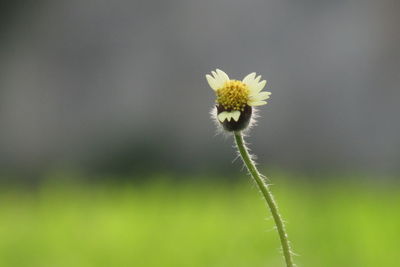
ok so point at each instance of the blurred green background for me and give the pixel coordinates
(108, 156)
(214, 223)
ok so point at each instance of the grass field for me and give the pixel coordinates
(161, 223)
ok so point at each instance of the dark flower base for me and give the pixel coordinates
(239, 125)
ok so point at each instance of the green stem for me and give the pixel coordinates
(268, 197)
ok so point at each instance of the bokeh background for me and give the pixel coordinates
(108, 156)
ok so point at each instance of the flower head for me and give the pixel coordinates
(235, 99)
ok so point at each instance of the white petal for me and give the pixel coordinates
(216, 78)
(259, 87)
(260, 96)
(256, 103)
(249, 78)
(252, 82)
(236, 115)
(220, 78)
(229, 116)
(222, 116)
(211, 82)
(222, 75)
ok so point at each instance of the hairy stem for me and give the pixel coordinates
(263, 186)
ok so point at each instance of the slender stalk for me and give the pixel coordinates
(263, 186)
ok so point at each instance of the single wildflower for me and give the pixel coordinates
(236, 99)
(234, 108)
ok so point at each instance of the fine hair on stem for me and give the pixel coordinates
(267, 194)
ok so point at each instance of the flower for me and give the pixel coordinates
(235, 99)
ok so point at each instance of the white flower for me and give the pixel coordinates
(235, 97)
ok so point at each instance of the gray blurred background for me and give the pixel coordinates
(118, 86)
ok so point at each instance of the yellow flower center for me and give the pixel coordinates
(233, 95)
